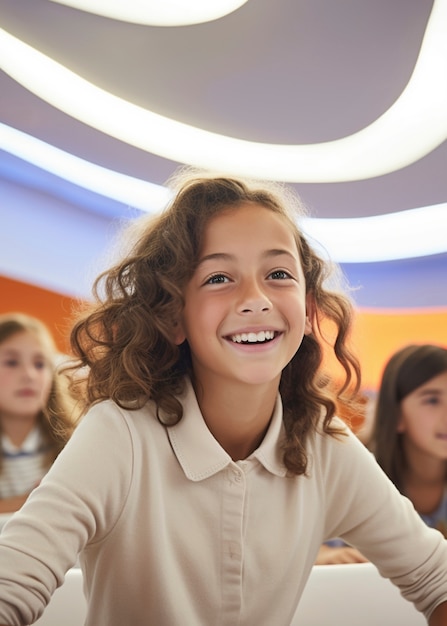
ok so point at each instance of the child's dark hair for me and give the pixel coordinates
(408, 369)
(126, 339)
(56, 419)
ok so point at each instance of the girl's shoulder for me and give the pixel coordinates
(339, 432)
(107, 415)
(110, 408)
(339, 448)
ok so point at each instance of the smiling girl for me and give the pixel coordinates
(410, 429)
(34, 411)
(210, 466)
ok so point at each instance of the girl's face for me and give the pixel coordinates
(423, 418)
(245, 306)
(26, 376)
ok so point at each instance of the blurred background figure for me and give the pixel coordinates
(409, 436)
(36, 409)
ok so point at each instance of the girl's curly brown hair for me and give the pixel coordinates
(125, 341)
(56, 419)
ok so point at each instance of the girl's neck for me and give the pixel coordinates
(424, 481)
(239, 417)
(425, 495)
(17, 429)
(426, 477)
(423, 469)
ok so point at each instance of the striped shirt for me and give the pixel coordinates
(22, 467)
(438, 519)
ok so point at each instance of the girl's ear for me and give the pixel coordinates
(179, 333)
(310, 314)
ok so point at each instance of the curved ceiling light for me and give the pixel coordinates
(401, 235)
(156, 12)
(135, 192)
(412, 233)
(411, 128)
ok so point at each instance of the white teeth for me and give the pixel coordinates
(263, 335)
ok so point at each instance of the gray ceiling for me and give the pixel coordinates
(280, 71)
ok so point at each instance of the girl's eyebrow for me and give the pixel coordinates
(216, 256)
(9, 351)
(15, 352)
(430, 392)
(224, 256)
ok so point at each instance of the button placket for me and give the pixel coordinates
(232, 547)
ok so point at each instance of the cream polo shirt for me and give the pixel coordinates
(172, 532)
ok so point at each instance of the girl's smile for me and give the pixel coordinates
(255, 339)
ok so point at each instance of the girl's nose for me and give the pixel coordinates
(254, 299)
(28, 371)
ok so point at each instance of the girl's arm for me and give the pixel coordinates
(439, 615)
(79, 500)
(365, 509)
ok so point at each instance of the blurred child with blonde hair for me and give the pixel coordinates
(35, 407)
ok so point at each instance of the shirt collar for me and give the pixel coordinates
(199, 453)
(32, 442)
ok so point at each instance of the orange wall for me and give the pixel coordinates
(52, 308)
(377, 332)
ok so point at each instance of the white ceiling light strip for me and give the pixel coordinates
(132, 191)
(413, 126)
(404, 234)
(156, 12)
(412, 233)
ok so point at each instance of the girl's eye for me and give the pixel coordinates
(432, 400)
(279, 275)
(217, 279)
(11, 362)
